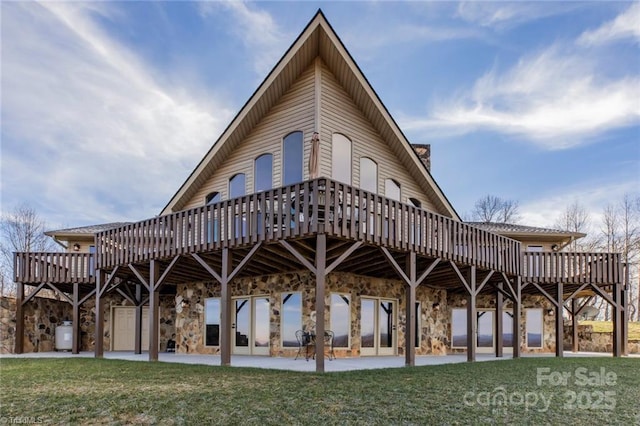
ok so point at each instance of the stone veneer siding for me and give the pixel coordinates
(190, 321)
(43, 314)
(590, 341)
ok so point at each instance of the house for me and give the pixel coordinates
(312, 211)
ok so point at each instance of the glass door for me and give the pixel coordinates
(378, 326)
(485, 331)
(250, 326)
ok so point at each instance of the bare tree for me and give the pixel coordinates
(21, 230)
(491, 208)
(575, 218)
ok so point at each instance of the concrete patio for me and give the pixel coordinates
(277, 363)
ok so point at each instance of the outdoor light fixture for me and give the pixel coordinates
(549, 311)
(555, 247)
(436, 306)
(76, 247)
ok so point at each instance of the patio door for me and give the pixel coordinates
(378, 333)
(486, 331)
(250, 326)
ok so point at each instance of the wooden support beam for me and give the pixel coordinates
(320, 273)
(154, 309)
(300, 257)
(75, 345)
(19, 336)
(484, 282)
(574, 325)
(206, 266)
(517, 314)
(101, 277)
(617, 320)
(551, 299)
(138, 275)
(137, 345)
(87, 296)
(410, 326)
(342, 257)
(472, 316)
(559, 307)
(244, 261)
(395, 265)
(166, 272)
(498, 321)
(225, 309)
(60, 293)
(461, 277)
(624, 302)
(33, 293)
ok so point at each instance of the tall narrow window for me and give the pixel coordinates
(341, 158)
(392, 189)
(237, 189)
(340, 319)
(263, 173)
(368, 175)
(291, 319)
(534, 320)
(237, 185)
(292, 148)
(458, 328)
(212, 322)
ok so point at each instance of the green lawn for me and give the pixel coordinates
(92, 391)
(607, 327)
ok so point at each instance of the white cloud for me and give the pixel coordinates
(256, 28)
(85, 124)
(553, 98)
(544, 211)
(502, 15)
(625, 25)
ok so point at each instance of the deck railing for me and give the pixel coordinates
(320, 205)
(54, 268)
(576, 268)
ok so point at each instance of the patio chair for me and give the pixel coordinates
(304, 341)
(328, 343)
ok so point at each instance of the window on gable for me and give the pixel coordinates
(392, 189)
(292, 148)
(368, 175)
(212, 198)
(237, 185)
(263, 173)
(341, 158)
(415, 202)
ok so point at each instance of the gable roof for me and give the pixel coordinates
(318, 39)
(515, 231)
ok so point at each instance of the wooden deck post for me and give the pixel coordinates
(575, 346)
(99, 325)
(75, 346)
(137, 346)
(19, 335)
(472, 317)
(321, 260)
(225, 309)
(624, 302)
(154, 309)
(498, 323)
(559, 321)
(410, 326)
(517, 306)
(617, 320)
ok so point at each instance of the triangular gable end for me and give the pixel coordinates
(318, 39)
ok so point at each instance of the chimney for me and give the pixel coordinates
(424, 152)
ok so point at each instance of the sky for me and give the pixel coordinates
(107, 107)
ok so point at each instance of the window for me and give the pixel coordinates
(212, 198)
(263, 173)
(458, 328)
(368, 175)
(292, 148)
(237, 185)
(341, 158)
(291, 319)
(340, 319)
(534, 325)
(392, 189)
(212, 322)
(415, 202)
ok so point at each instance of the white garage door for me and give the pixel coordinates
(123, 329)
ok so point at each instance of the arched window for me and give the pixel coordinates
(368, 175)
(292, 158)
(237, 185)
(212, 198)
(341, 158)
(392, 189)
(263, 173)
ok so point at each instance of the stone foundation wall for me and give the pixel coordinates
(43, 314)
(433, 325)
(528, 302)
